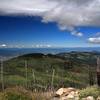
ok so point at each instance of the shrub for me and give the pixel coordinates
(15, 94)
(90, 91)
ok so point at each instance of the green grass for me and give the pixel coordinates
(17, 93)
(14, 80)
(77, 75)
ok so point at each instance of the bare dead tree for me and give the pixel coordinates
(52, 81)
(98, 71)
(91, 76)
(26, 73)
(2, 75)
(33, 76)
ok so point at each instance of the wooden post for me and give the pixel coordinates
(33, 76)
(26, 73)
(2, 77)
(98, 71)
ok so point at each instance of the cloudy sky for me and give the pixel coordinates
(49, 23)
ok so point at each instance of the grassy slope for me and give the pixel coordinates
(71, 69)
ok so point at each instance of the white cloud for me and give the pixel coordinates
(41, 46)
(95, 40)
(68, 14)
(48, 46)
(79, 34)
(3, 45)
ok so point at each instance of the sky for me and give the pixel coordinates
(49, 23)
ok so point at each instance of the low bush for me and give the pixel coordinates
(90, 91)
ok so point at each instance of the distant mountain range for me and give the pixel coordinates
(8, 52)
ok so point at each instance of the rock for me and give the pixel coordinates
(63, 98)
(98, 98)
(64, 91)
(90, 98)
(60, 91)
(71, 95)
(67, 94)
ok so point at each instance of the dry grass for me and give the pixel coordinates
(20, 93)
(42, 96)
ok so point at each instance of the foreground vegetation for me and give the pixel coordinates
(90, 91)
(19, 93)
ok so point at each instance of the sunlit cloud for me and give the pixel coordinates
(95, 40)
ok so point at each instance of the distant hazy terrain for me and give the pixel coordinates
(20, 51)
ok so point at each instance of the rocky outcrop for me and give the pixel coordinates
(64, 91)
(70, 94)
(98, 98)
(67, 94)
(90, 98)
